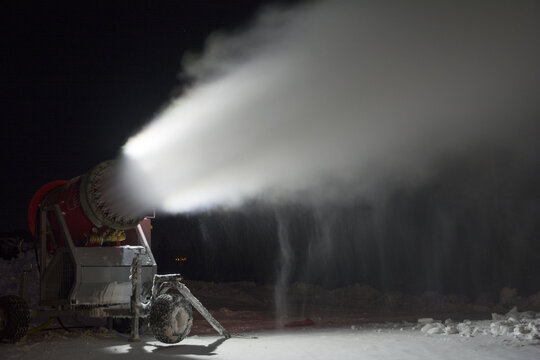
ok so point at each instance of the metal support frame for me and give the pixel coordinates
(144, 242)
(43, 240)
(135, 296)
(44, 229)
(164, 283)
(202, 310)
(138, 309)
(23, 285)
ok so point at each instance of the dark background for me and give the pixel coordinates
(77, 81)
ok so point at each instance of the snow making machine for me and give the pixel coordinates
(95, 260)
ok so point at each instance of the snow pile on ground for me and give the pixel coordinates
(522, 326)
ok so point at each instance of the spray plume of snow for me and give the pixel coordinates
(351, 93)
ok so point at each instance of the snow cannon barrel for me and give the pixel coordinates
(96, 208)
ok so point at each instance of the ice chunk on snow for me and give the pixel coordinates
(451, 329)
(433, 328)
(466, 328)
(519, 325)
(500, 328)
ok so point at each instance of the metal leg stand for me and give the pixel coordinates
(135, 295)
(202, 310)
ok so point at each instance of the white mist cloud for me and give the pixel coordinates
(338, 97)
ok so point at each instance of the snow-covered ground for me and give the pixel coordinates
(513, 335)
(388, 341)
(356, 322)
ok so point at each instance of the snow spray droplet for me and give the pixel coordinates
(335, 99)
(284, 267)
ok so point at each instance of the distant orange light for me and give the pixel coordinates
(180, 259)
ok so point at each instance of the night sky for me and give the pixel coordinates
(78, 81)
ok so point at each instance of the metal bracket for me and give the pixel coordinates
(135, 296)
(202, 310)
(163, 283)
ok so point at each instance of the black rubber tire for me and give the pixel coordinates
(16, 317)
(171, 318)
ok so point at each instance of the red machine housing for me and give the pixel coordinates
(89, 207)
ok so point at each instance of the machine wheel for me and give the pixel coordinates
(14, 316)
(171, 317)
